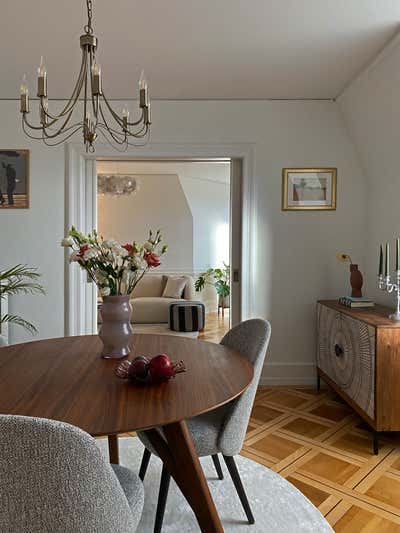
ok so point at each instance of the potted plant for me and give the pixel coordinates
(16, 280)
(219, 278)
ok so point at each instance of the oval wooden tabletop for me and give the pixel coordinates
(66, 379)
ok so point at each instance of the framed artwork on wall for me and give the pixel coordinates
(308, 189)
(14, 179)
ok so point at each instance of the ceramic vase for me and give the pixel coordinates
(356, 281)
(116, 330)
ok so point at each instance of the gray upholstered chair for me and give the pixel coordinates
(53, 479)
(222, 430)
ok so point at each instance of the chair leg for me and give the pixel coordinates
(162, 499)
(144, 464)
(230, 463)
(217, 465)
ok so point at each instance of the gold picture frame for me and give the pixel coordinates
(309, 189)
(14, 179)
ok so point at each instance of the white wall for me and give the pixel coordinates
(159, 203)
(209, 202)
(295, 253)
(371, 109)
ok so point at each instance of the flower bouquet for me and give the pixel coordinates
(116, 269)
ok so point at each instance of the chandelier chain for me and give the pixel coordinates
(88, 28)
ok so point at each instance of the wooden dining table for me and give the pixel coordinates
(65, 379)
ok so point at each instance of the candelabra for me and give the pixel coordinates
(385, 284)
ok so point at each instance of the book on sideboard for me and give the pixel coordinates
(350, 301)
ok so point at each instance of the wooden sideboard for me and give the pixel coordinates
(358, 355)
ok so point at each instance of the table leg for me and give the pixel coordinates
(113, 449)
(180, 458)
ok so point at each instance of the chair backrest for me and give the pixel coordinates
(251, 339)
(53, 478)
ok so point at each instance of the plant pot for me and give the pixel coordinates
(223, 301)
(116, 331)
(3, 341)
(356, 281)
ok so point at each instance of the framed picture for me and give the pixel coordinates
(14, 179)
(308, 188)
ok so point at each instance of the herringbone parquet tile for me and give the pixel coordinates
(323, 448)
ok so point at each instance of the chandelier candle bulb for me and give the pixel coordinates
(24, 98)
(387, 260)
(380, 273)
(397, 254)
(42, 79)
(125, 118)
(96, 80)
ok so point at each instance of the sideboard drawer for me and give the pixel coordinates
(346, 354)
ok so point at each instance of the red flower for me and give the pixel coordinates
(82, 250)
(129, 248)
(152, 259)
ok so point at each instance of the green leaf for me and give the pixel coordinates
(19, 321)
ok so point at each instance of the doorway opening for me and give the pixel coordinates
(196, 205)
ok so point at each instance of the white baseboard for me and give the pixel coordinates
(288, 374)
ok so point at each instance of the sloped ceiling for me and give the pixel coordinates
(199, 48)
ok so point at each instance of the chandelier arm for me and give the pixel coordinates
(70, 106)
(95, 98)
(61, 141)
(116, 117)
(24, 124)
(61, 130)
(137, 122)
(138, 133)
(110, 129)
(114, 134)
(140, 143)
(115, 146)
(142, 136)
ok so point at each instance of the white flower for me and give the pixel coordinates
(74, 257)
(122, 252)
(148, 246)
(110, 243)
(67, 242)
(138, 262)
(91, 253)
(105, 291)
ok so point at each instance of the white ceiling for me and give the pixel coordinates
(199, 48)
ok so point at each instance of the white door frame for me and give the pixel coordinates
(81, 211)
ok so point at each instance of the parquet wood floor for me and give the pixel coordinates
(323, 448)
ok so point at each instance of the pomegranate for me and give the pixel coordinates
(139, 368)
(156, 370)
(161, 368)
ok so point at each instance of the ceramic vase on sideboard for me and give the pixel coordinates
(116, 331)
(356, 281)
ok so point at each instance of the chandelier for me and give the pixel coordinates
(117, 184)
(98, 116)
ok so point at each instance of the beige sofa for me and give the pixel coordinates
(149, 307)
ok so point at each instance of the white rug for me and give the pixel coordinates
(278, 507)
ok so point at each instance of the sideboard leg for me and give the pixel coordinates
(376, 442)
(318, 383)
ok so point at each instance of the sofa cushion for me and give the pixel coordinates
(175, 287)
(150, 285)
(151, 310)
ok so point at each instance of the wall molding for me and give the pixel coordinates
(80, 210)
(288, 374)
